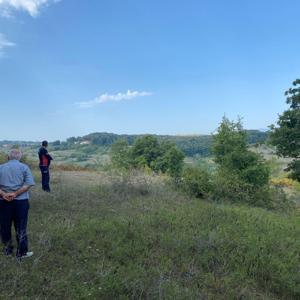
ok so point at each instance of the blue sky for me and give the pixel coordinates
(68, 68)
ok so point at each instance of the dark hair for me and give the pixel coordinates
(44, 143)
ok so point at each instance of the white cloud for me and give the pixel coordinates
(30, 6)
(115, 97)
(4, 43)
(5, 13)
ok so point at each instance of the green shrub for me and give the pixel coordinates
(120, 155)
(230, 188)
(242, 175)
(196, 182)
(145, 151)
(170, 160)
(148, 153)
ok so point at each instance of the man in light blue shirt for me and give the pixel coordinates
(15, 181)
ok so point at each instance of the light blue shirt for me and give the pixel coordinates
(13, 176)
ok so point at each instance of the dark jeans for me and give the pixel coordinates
(15, 212)
(45, 178)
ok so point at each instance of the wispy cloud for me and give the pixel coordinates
(4, 43)
(30, 6)
(114, 97)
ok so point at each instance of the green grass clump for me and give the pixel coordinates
(132, 237)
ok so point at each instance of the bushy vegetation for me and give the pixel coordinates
(147, 152)
(196, 182)
(120, 155)
(242, 175)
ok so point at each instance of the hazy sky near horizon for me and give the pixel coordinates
(69, 68)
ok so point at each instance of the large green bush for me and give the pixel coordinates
(170, 160)
(196, 182)
(148, 153)
(120, 155)
(242, 175)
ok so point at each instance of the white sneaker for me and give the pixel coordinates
(28, 254)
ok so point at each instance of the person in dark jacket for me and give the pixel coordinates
(45, 161)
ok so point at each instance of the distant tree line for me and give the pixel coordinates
(200, 145)
(190, 145)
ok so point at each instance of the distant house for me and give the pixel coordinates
(85, 143)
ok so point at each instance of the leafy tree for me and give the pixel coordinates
(56, 143)
(230, 139)
(71, 140)
(147, 152)
(286, 137)
(120, 155)
(241, 174)
(171, 160)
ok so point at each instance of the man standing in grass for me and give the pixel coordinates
(45, 160)
(15, 181)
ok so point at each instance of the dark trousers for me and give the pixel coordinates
(45, 178)
(15, 212)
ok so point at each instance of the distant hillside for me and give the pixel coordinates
(190, 145)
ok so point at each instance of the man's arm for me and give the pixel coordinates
(48, 155)
(28, 178)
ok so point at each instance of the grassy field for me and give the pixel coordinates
(101, 235)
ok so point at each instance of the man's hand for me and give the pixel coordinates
(12, 195)
(9, 196)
